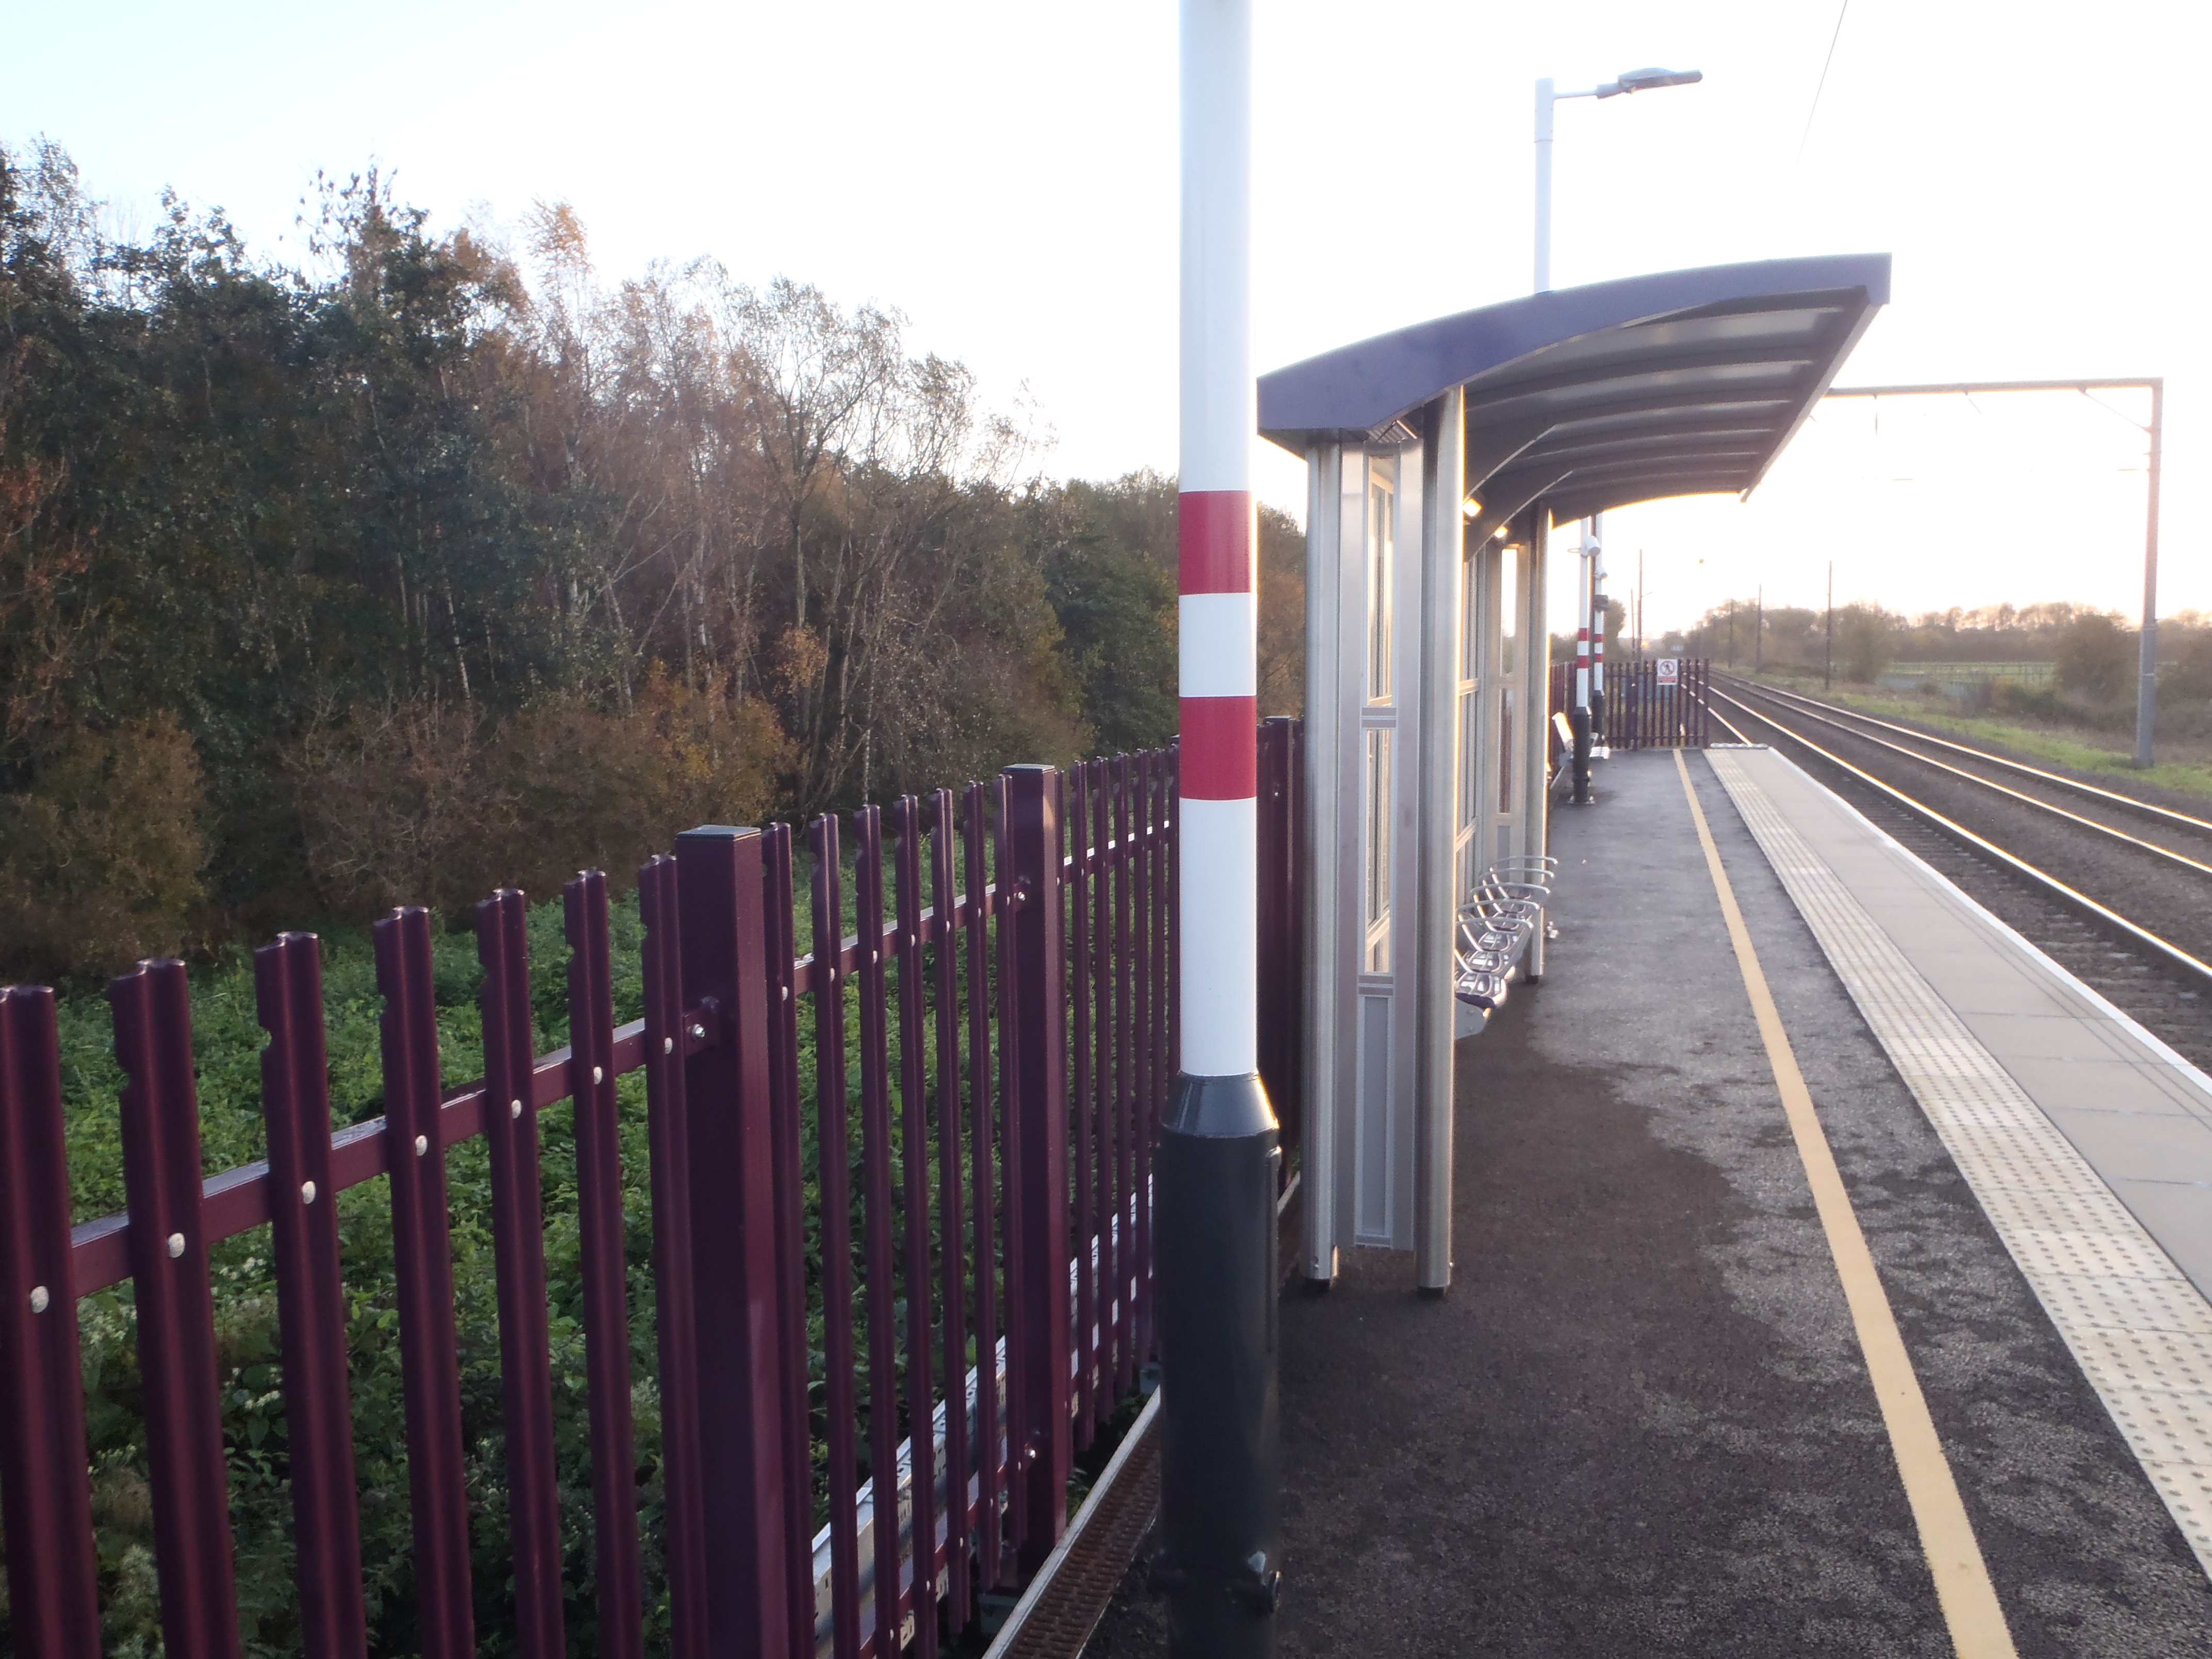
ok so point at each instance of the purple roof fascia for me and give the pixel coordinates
(1361, 385)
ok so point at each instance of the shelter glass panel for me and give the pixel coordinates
(1509, 668)
(1376, 854)
(1373, 1156)
(1381, 554)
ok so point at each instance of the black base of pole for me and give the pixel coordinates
(1582, 725)
(1217, 1172)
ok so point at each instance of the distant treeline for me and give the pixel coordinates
(2093, 656)
(426, 564)
(2093, 653)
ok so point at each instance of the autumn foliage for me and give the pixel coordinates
(432, 563)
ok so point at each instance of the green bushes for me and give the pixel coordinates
(422, 802)
(102, 853)
(2190, 679)
(2096, 658)
(227, 1044)
(1866, 641)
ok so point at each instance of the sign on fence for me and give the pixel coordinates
(1670, 670)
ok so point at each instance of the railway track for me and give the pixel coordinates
(2117, 890)
(2181, 830)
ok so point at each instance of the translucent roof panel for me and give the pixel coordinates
(1684, 383)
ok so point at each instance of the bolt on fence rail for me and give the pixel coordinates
(1007, 985)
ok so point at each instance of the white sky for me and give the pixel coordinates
(1004, 174)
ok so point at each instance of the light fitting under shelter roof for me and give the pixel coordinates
(1684, 383)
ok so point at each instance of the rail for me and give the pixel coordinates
(2111, 797)
(2164, 950)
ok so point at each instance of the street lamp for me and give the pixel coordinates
(1589, 674)
(1643, 80)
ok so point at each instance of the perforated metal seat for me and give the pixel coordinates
(1495, 925)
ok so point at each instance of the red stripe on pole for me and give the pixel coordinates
(1214, 541)
(1220, 748)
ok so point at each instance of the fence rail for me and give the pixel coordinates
(991, 1047)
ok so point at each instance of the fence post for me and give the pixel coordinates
(675, 1322)
(788, 1139)
(518, 1220)
(176, 1312)
(422, 1271)
(311, 1299)
(731, 1165)
(601, 1230)
(1040, 1228)
(52, 1595)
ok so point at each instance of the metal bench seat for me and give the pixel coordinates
(1495, 925)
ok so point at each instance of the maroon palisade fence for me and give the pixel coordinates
(1010, 984)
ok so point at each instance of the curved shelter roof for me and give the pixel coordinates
(1684, 383)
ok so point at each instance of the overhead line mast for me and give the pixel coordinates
(2147, 664)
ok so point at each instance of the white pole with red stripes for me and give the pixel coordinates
(1216, 617)
(1218, 1161)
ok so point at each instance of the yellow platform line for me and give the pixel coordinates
(1963, 1589)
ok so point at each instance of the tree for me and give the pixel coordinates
(1866, 639)
(2096, 657)
(367, 529)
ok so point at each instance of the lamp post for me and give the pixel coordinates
(1643, 80)
(1588, 717)
(1218, 1161)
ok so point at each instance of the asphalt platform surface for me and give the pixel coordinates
(1639, 1422)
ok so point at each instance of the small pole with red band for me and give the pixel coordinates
(1219, 1161)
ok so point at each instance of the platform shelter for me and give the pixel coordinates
(1440, 457)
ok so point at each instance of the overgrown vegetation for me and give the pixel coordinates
(429, 563)
(226, 1047)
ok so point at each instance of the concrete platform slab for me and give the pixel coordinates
(2155, 1146)
(2024, 1104)
(2180, 1216)
(2050, 1034)
(2045, 1029)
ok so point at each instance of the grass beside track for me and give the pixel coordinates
(2082, 750)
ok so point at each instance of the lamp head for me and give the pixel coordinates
(1646, 80)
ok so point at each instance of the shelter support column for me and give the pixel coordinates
(1535, 730)
(1596, 542)
(1443, 553)
(1335, 864)
(1579, 720)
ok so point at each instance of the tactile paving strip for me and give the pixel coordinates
(2139, 1330)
